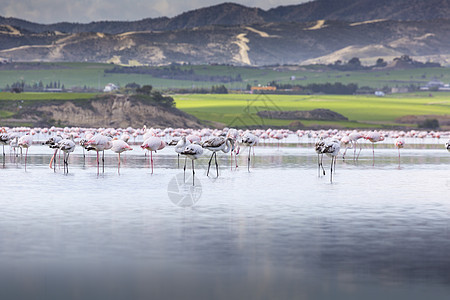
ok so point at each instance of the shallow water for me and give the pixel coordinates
(380, 230)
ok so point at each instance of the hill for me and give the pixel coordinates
(104, 111)
(265, 44)
(236, 14)
(320, 31)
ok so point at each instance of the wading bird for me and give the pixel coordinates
(119, 146)
(25, 142)
(67, 146)
(214, 145)
(319, 146)
(250, 140)
(192, 151)
(399, 143)
(153, 143)
(99, 143)
(331, 149)
(374, 137)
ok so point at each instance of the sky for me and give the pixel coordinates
(85, 11)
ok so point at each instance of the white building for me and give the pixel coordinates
(110, 87)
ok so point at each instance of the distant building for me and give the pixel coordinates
(264, 88)
(110, 87)
(379, 93)
(435, 85)
(397, 90)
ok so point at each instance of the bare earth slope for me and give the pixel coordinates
(106, 111)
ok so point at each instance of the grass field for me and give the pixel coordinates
(362, 111)
(93, 76)
(45, 96)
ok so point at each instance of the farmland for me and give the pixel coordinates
(362, 111)
(92, 75)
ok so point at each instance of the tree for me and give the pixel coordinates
(429, 124)
(144, 90)
(355, 62)
(380, 63)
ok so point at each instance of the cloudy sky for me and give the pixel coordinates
(85, 11)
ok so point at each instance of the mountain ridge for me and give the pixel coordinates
(230, 33)
(229, 13)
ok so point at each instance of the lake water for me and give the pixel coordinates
(276, 232)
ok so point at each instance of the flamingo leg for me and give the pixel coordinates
(193, 173)
(248, 161)
(231, 160)
(209, 163)
(184, 170)
(103, 160)
(373, 154)
(151, 159)
(360, 148)
(98, 163)
(26, 154)
(178, 160)
(318, 163)
(331, 172)
(217, 165)
(118, 166)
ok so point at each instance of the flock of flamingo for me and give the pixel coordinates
(191, 143)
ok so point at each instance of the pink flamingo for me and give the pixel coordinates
(100, 143)
(153, 143)
(354, 137)
(119, 146)
(25, 142)
(399, 143)
(374, 137)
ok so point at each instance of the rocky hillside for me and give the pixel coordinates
(106, 111)
(320, 31)
(265, 44)
(235, 14)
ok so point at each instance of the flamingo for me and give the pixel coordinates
(25, 142)
(119, 146)
(250, 140)
(374, 137)
(53, 144)
(4, 139)
(67, 146)
(399, 143)
(99, 143)
(179, 147)
(345, 141)
(319, 146)
(447, 145)
(214, 145)
(354, 137)
(153, 143)
(331, 149)
(192, 151)
(233, 134)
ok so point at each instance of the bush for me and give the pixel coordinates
(429, 124)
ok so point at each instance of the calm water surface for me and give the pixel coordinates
(278, 232)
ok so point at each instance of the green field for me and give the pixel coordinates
(45, 96)
(362, 111)
(92, 75)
